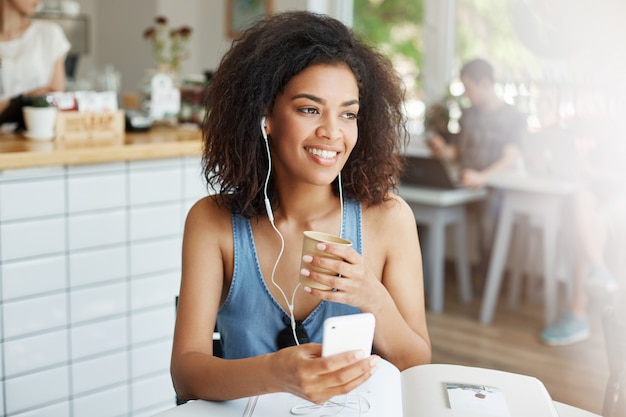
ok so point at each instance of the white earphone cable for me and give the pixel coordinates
(270, 215)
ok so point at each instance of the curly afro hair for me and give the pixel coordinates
(256, 70)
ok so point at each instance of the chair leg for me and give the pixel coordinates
(521, 243)
(437, 259)
(425, 244)
(464, 279)
(535, 259)
(549, 262)
(496, 264)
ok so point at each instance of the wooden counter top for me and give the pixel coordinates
(18, 152)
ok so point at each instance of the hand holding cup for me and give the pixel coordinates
(311, 239)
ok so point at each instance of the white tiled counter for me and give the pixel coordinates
(89, 270)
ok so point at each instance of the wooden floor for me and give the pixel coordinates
(575, 374)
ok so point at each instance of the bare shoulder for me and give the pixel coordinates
(207, 215)
(393, 212)
(208, 205)
(389, 234)
(389, 224)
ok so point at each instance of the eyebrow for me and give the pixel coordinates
(322, 101)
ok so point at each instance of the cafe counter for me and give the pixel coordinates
(19, 152)
(90, 249)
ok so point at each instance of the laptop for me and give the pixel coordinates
(426, 171)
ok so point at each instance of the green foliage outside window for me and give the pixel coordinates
(487, 29)
(395, 28)
(484, 28)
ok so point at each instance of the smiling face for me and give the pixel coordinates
(313, 125)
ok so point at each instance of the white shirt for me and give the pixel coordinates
(27, 62)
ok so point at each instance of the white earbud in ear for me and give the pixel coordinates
(263, 132)
(268, 205)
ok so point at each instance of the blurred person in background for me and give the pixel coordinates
(488, 142)
(32, 57)
(597, 219)
(436, 121)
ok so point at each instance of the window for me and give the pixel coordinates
(552, 58)
(395, 27)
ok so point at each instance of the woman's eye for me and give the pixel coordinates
(309, 110)
(350, 116)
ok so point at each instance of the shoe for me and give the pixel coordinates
(569, 329)
(599, 277)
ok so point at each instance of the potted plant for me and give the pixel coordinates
(40, 118)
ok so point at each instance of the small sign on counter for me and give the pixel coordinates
(98, 128)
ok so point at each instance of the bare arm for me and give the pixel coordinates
(402, 331)
(58, 80)
(441, 149)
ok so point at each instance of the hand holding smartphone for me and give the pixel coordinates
(347, 333)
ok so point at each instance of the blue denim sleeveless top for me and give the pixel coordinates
(250, 318)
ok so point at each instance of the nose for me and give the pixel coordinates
(329, 128)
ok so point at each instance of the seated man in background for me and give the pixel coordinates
(488, 142)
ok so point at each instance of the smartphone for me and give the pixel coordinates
(347, 333)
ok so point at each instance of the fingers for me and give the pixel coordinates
(341, 375)
(342, 251)
(352, 281)
(339, 264)
(340, 256)
(338, 282)
(350, 265)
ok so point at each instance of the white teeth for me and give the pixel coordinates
(322, 153)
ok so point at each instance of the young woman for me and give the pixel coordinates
(300, 98)
(32, 55)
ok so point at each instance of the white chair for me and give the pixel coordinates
(527, 261)
(438, 209)
(539, 200)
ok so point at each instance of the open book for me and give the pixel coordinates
(426, 390)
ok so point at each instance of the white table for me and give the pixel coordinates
(233, 409)
(438, 208)
(539, 198)
(385, 393)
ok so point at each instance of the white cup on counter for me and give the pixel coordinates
(40, 122)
